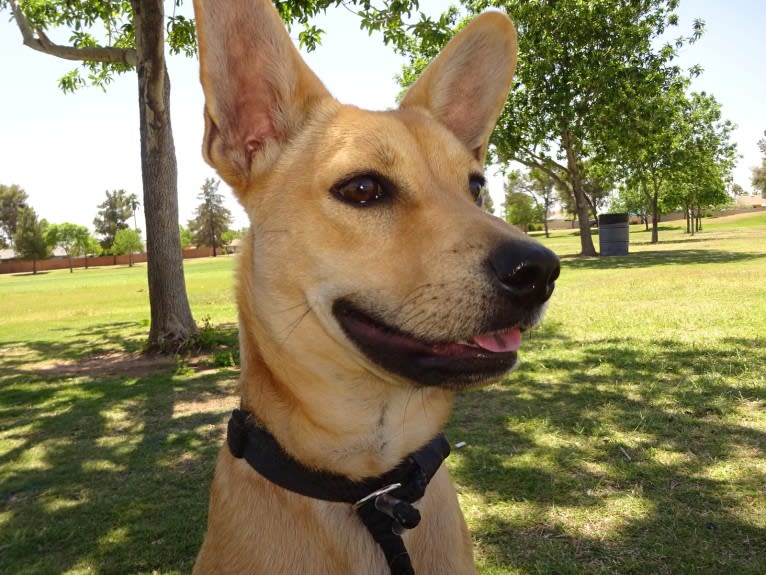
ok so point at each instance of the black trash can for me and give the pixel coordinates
(613, 234)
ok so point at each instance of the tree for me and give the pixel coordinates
(211, 218)
(580, 65)
(187, 240)
(737, 190)
(113, 216)
(487, 203)
(521, 207)
(759, 172)
(114, 38)
(629, 199)
(30, 237)
(651, 152)
(680, 154)
(707, 158)
(72, 238)
(543, 187)
(127, 241)
(92, 248)
(134, 39)
(758, 179)
(12, 200)
(134, 205)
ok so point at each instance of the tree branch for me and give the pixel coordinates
(544, 164)
(37, 40)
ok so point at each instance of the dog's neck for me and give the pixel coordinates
(359, 427)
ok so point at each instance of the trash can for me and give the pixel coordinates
(613, 234)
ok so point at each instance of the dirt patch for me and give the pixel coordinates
(109, 364)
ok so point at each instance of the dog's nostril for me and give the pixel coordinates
(527, 271)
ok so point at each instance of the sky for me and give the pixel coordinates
(66, 150)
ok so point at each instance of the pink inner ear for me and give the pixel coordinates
(255, 128)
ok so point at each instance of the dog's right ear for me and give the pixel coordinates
(258, 90)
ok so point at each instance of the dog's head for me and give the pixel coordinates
(368, 252)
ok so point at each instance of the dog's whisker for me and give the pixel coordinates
(292, 326)
(290, 308)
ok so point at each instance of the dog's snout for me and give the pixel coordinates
(527, 271)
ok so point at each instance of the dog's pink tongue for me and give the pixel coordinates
(500, 342)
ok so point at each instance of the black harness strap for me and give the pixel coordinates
(383, 503)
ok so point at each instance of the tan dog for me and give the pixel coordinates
(371, 286)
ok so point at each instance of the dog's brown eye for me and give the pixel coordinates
(478, 186)
(361, 190)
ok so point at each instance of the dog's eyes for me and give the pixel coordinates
(478, 186)
(360, 190)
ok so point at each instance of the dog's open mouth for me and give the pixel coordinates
(447, 364)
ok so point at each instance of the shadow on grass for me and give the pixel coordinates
(644, 461)
(107, 473)
(110, 474)
(76, 344)
(646, 259)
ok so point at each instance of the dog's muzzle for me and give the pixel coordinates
(518, 279)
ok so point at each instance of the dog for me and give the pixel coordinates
(371, 288)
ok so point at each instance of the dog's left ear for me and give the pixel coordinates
(465, 87)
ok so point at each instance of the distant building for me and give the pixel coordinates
(749, 202)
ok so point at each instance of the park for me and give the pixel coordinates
(631, 439)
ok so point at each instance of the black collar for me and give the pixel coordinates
(383, 503)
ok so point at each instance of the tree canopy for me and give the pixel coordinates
(759, 172)
(127, 241)
(74, 239)
(29, 240)
(12, 200)
(521, 207)
(679, 153)
(113, 215)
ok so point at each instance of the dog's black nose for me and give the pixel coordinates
(526, 270)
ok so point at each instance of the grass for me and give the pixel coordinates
(632, 439)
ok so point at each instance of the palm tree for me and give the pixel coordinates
(134, 205)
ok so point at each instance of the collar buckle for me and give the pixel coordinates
(375, 494)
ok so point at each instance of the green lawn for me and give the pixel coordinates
(632, 438)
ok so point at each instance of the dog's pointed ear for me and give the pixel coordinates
(258, 90)
(465, 87)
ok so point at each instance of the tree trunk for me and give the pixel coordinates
(688, 216)
(583, 206)
(653, 199)
(171, 319)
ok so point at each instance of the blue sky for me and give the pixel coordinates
(66, 150)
